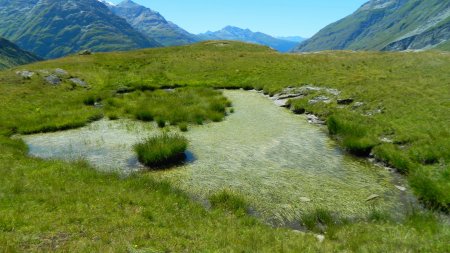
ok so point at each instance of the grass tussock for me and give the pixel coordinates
(161, 150)
(229, 201)
(318, 220)
(352, 134)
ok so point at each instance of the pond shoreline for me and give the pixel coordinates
(205, 176)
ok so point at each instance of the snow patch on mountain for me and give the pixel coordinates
(107, 3)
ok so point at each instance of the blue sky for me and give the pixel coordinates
(274, 17)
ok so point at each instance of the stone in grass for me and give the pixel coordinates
(373, 197)
(25, 74)
(61, 72)
(401, 188)
(78, 82)
(320, 238)
(320, 99)
(53, 79)
(313, 119)
(357, 105)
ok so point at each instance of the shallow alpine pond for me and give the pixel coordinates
(281, 164)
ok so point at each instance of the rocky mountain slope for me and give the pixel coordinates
(246, 35)
(11, 55)
(53, 28)
(152, 24)
(387, 25)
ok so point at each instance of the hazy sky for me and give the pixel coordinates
(275, 17)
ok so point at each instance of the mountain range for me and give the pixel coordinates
(54, 28)
(388, 25)
(152, 24)
(246, 35)
(11, 55)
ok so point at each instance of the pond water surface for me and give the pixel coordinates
(280, 163)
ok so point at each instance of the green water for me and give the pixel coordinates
(274, 158)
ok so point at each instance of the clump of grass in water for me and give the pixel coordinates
(144, 115)
(162, 150)
(183, 126)
(161, 122)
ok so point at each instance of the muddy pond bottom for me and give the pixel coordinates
(282, 165)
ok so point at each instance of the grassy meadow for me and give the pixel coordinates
(55, 206)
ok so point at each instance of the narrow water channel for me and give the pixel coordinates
(281, 164)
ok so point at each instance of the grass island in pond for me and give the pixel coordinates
(162, 150)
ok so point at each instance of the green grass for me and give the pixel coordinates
(229, 201)
(161, 150)
(183, 126)
(55, 206)
(45, 204)
(190, 105)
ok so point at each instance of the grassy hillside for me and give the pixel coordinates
(48, 205)
(246, 35)
(11, 55)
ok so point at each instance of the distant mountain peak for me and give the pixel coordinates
(152, 24)
(129, 3)
(246, 35)
(107, 3)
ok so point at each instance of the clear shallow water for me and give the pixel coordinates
(272, 157)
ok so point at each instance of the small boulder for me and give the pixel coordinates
(281, 102)
(320, 238)
(290, 95)
(345, 101)
(44, 72)
(333, 92)
(78, 82)
(53, 80)
(357, 105)
(313, 119)
(60, 72)
(373, 197)
(401, 188)
(319, 99)
(386, 140)
(25, 74)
